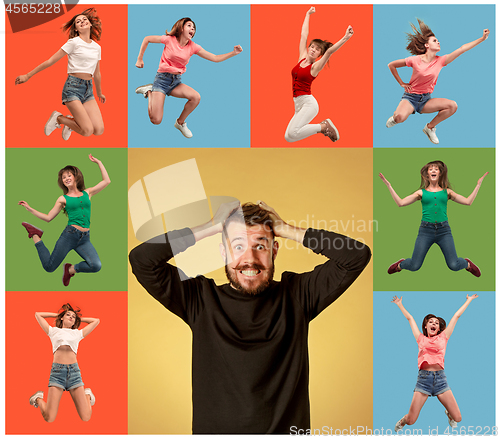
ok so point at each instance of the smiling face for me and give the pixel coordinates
(68, 319)
(188, 30)
(433, 44)
(433, 173)
(249, 253)
(432, 327)
(82, 23)
(68, 179)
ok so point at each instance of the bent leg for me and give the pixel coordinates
(416, 405)
(49, 409)
(424, 241)
(403, 110)
(448, 400)
(193, 97)
(87, 251)
(81, 124)
(447, 245)
(50, 262)
(82, 403)
(306, 108)
(444, 107)
(95, 116)
(156, 101)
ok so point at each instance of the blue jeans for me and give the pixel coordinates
(165, 82)
(428, 234)
(416, 100)
(431, 383)
(70, 239)
(77, 89)
(65, 376)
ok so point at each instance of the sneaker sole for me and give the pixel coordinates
(29, 224)
(334, 129)
(188, 137)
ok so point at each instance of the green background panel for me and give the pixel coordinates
(473, 227)
(31, 175)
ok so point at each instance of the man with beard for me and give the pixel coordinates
(250, 354)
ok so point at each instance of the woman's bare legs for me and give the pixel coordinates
(85, 116)
(156, 100)
(448, 400)
(444, 107)
(403, 110)
(82, 403)
(49, 409)
(193, 97)
(416, 405)
(95, 116)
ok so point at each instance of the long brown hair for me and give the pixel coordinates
(442, 324)
(418, 38)
(95, 21)
(178, 27)
(444, 183)
(68, 308)
(80, 184)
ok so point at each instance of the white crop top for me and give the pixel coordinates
(65, 336)
(82, 56)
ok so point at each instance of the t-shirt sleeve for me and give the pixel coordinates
(164, 38)
(51, 331)
(99, 56)
(195, 48)
(80, 333)
(442, 60)
(317, 289)
(409, 61)
(69, 46)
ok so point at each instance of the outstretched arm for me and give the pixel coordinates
(218, 58)
(413, 324)
(318, 65)
(105, 178)
(45, 217)
(451, 326)
(393, 67)
(40, 317)
(52, 60)
(92, 324)
(144, 45)
(304, 33)
(412, 198)
(455, 54)
(467, 200)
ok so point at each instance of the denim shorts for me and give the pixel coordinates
(77, 89)
(65, 376)
(431, 383)
(417, 101)
(165, 82)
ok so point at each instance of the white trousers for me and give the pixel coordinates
(306, 108)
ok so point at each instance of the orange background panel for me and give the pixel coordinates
(343, 90)
(102, 357)
(29, 105)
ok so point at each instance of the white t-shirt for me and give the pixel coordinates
(82, 56)
(65, 336)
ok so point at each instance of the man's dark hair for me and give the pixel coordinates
(250, 214)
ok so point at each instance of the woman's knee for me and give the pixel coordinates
(411, 419)
(87, 130)
(95, 266)
(453, 106)
(49, 418)
(86, 417)
(290, 136)
(195, 98)
(98, 131)
(454, 265)
(155, 118)
(398, 117)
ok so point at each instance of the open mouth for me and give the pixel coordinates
(250, 272)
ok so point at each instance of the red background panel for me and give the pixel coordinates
(343, 90)
(29, 105)
(102, 357)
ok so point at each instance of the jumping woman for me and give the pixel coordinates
(426, 65)
(312, 59)
(65, 374)
(434, 194)
(431, 378)
(179, 48)
(76, 203)
(84, 55)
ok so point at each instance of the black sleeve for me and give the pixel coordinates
(166, 283)
(317, 289)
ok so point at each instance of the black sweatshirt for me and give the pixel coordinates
(250, 353)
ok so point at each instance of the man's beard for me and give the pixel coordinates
(233, 279)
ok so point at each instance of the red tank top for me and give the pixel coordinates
(302, 79)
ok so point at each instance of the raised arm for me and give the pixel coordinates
(318, 65)
(41, 318)
(144, 45)
(304, 33)
(52, 60)
(219, 58)
(105, 178)
(393, 67)
(467, 200)
(464, 48)
(414, 328)
(92, 324)
(451, 325)
(412, 198)
(45, 217)
(97, 80)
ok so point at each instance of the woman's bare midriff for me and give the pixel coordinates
(431, 367)
(86, 76)
(64, 355)
(80, 228)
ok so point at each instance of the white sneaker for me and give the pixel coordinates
(52, 123)
(390, 122)
(183, 129)
(452, 422)
(66, 132)
(143, 90)
(91, 394)
(399, 425)
(38, 394)
(431, 134)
